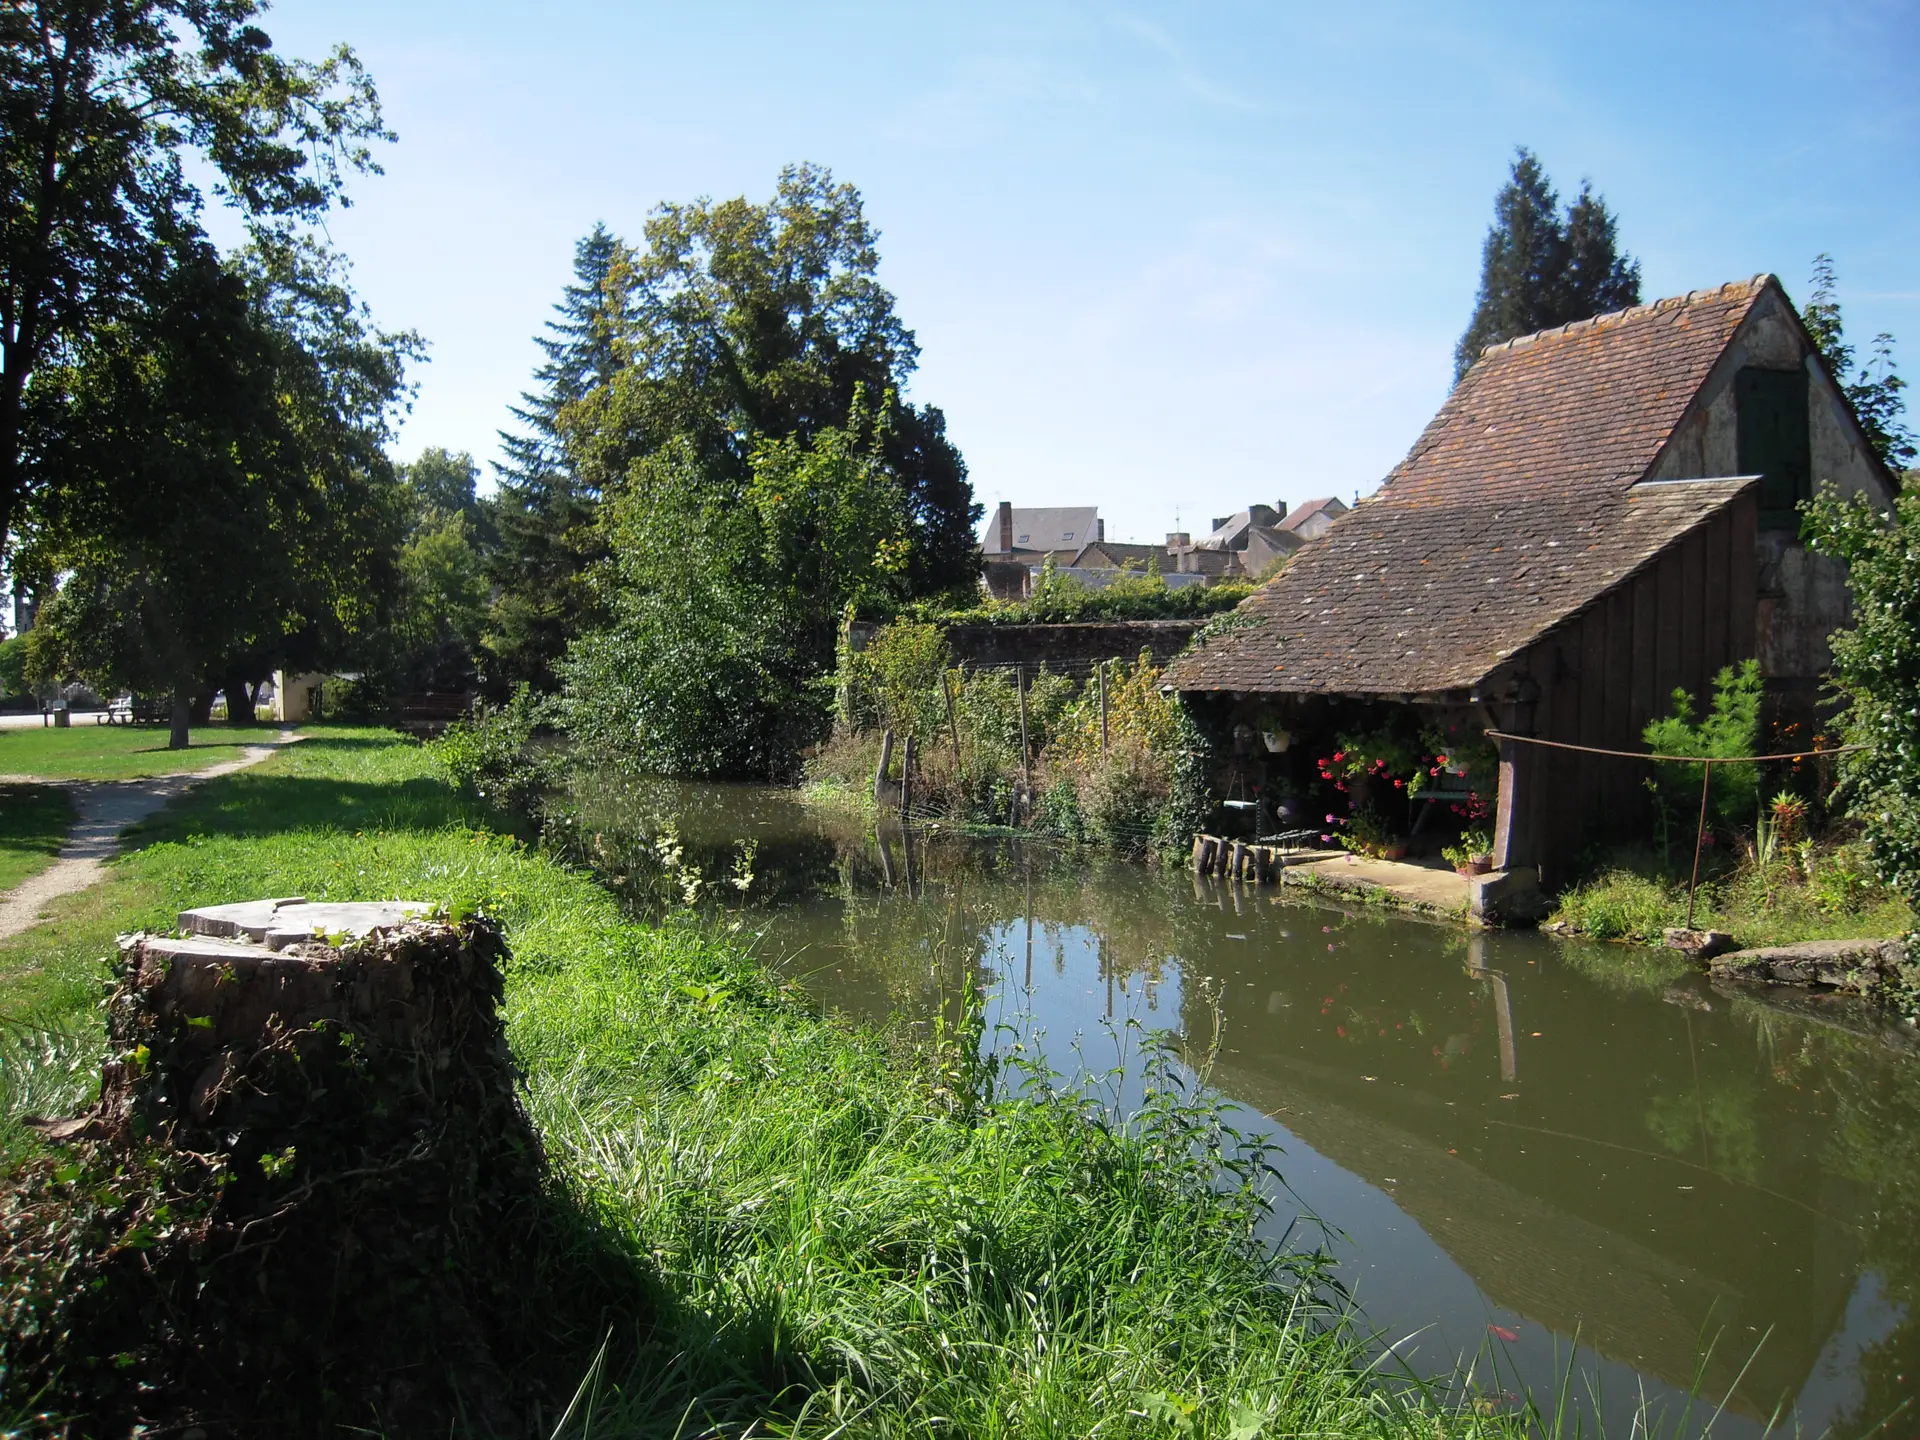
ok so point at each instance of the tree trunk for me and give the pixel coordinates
(177, 738)
(239, 693)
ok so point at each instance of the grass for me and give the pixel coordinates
(120, 752)
(836, 1233)
(34, 820)
(1825, 893)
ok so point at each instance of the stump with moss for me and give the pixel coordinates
(308, 1195)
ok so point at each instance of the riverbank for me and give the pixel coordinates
(818, 1222)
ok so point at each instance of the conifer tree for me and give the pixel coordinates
(1538, 269)
(542, 520)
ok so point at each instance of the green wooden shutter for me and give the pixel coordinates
(1774, 442)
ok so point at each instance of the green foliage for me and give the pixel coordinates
(1875, 388)
(493, 758)
(1730, 730)
(896, 682)
(1062, 599)
(225, 489)
(544, 516)
(1876, 670)
(1539, 270)
(131, 99)
(13, 666)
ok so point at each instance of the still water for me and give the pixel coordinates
(1548, 1155)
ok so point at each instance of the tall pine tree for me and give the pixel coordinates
(1539, 269)
(544, 514)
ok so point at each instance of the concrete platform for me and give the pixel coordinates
(1497, 898)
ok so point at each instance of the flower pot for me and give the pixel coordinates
(1479, 864)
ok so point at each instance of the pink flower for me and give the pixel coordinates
(1330, 820)
(1339, 755)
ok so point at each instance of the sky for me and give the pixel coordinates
(1166, 260)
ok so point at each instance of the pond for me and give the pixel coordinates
(1526, 1153)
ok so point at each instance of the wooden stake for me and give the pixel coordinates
(1699, 837)
(953, 725)
(906, 788)
(1202, 853)
(1026, 755)
(880, 771)
(1106, 739)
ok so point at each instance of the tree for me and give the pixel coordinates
(1876, 670)
(543, 519)
(1538, 270)
(724, 610)
(227, 498)
(1875, 389)
(102, 105)
(744, 322)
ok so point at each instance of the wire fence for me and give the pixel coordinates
(1706, 764)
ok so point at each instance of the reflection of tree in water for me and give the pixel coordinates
(1875, 1142)
(1724, 1112)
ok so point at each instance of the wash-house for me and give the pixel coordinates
(1600, 513)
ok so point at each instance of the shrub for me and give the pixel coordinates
(492, 757)
(1729, 731)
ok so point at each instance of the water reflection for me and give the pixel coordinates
(1511, 1141)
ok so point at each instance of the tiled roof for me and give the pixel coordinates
(1060, 527)
(1516, 507)
(1299, 515)
(1117, 553)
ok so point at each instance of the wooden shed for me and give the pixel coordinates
(1600, 513)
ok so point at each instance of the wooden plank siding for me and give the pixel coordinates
(1603, 673)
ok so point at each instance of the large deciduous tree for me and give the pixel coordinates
(102, 105)
(226, 499)
(744, 322)
(1539, 268)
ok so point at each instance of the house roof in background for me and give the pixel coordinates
(1119, 553)
(1298, 516)
(1045, 528)
(1516, 507)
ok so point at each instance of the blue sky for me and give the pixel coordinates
(1166, 260)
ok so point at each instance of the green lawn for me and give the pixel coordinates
(119, 752)
(34, 820)
(825, 1232)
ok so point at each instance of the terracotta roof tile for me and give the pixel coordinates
(1517, 506)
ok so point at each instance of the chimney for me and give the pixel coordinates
(1005, 522)
(1222, 520)
(1281, 506)
(1178, 538)
(1099, 529)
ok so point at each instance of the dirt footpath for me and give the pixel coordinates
(106, 807)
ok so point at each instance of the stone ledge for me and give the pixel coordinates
(1859, 967)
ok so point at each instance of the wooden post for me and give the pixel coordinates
(1236, 860)
(1201, 847)
(1026, 754)
(906, 781)
(1106, 738)
(953, 725)
(1699, 836)
(880, 771)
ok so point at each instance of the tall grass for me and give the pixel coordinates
(825, 1230)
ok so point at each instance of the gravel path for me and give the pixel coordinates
(106, 807)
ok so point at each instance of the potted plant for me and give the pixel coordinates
(1473, 855)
